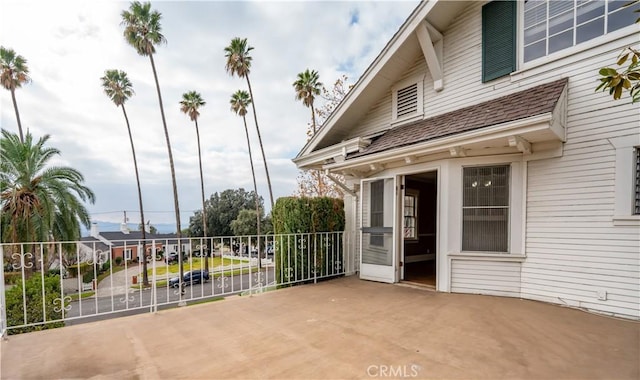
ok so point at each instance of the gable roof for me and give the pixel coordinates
(520, 105)
(397, 56)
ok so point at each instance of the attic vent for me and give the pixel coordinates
(408, 100)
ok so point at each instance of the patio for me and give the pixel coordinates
(344, 328)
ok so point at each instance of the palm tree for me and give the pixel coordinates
(190, 103)
(307, 87)
(239, 102)
(142, 30)
(39, 202)
(239, 63)
(13, 75)
(118, 88)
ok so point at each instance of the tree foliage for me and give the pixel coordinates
(624, 78)
(313, 183)
(246, 223)
(222, 209)
(39, 201)
(13, 74)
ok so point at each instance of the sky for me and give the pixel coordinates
(68, 46)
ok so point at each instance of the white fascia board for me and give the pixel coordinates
(405, 31)
(532, 124)
(317, 158)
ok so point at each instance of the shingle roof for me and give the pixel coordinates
(520, 105)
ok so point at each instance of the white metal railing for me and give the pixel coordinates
(50, 284)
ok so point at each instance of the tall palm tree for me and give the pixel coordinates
(239, 102)
(13, 74)
(39, 201)
(307, 87)
(119, 89)
(190, 104)
(239, 63)
(142, 30)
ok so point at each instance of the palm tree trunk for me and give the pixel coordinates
(255, 189)
(264, 158)
(145, 276)
(173, 170)
(204, 210)
(15, 107)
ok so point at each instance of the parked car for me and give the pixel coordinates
(190, 278)
(173, 257)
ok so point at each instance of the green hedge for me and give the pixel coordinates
(35, 300)
(307, 245)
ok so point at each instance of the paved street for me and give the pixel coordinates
(142, 299)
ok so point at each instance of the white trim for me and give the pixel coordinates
(625, 147)
(487, 256)
(338, 150)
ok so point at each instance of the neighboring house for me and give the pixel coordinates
(127, 244)
(479, 159)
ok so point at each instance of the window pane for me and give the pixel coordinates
(534, 51)
(485, 230)
(557, 7)
(620, 19)
(535, 12)
(535, 33)
(561, 41)
(589, 11)
(377, 211)
(590, 30)
(561, 23)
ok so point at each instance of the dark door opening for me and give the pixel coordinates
(420, 228)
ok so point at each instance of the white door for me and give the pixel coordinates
(378, 240)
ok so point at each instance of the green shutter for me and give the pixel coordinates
(498, 39)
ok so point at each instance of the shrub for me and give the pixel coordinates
(118, 260)
(88, 277)
(105, 266)
(12, 278)
(35, 300)
(79, 269)
(306, 254)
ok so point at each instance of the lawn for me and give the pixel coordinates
(196, 263)
(76, 296)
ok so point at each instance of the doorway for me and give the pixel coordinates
(420, 205)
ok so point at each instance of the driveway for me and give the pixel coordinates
(343, 328)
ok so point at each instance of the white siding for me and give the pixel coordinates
(485, 277)
(574, 253)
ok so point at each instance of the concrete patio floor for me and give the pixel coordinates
(344, 328)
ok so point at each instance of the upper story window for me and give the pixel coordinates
(554, 25)
(407, 99)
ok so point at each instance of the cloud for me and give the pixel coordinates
(69, 45)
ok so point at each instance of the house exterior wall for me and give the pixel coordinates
(574, 250)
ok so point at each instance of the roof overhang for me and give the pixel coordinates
(538, 134)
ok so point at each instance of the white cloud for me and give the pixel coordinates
(68, 46)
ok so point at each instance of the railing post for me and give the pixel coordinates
(154, 280)
(3, 305)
